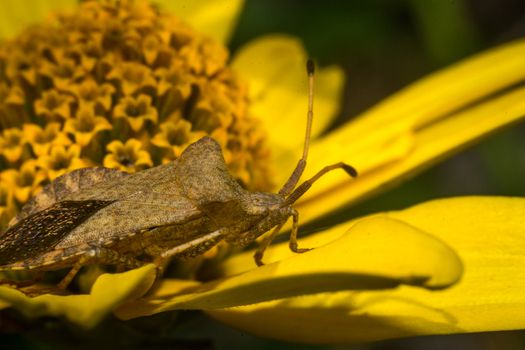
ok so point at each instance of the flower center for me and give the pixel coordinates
(25, 178)
(45, 136)
(134, 74)
(137, 68)
(60, 161)
(86, 125)
(52, 101)
(13, 140)
(127, 157)
(85, 122)
(177, 136)
(134, 110)
(65, 69)
(126, 161)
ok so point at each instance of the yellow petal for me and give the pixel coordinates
(85, 310)
(143, 159)
(136, 123)
(488, 234)
(215, 18)
(412, 130)
(17, 14)
(361, 259)
(114, 146)
(112, 161)
(274, 67)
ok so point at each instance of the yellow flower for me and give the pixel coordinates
(133, 78)
(12, 143)
(42, 139)
(24, 182)
(446, 266)
(174, 136)
(92, 94)
(61, 70)
(20, 70)
(53, 106)
(175, 78)
(129, 156)
(86, 125)
(62, 159)
(135, 111)
(12, 112)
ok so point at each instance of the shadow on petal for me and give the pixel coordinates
(368, 257)
(335, 325)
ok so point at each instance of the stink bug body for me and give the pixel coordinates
(183, 208)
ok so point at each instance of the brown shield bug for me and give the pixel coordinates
(183, 208)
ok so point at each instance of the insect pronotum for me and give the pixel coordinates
(183, 208)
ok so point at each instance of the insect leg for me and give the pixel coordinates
(161, 263)
(25, 283)
(189, 249)
(293, 235)
(203, 243)
(264, 244)
(72, 273)
(98, 255)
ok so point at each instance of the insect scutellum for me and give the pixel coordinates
(290, 191)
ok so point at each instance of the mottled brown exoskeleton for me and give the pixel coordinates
(183, 208)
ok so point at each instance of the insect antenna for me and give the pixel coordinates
(299, 191)
(299, 168)
(291, 193)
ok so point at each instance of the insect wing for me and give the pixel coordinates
(67, 185)
(42, 231)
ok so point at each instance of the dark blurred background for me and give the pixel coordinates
(382, 46)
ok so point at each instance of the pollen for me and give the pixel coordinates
(75, 90)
